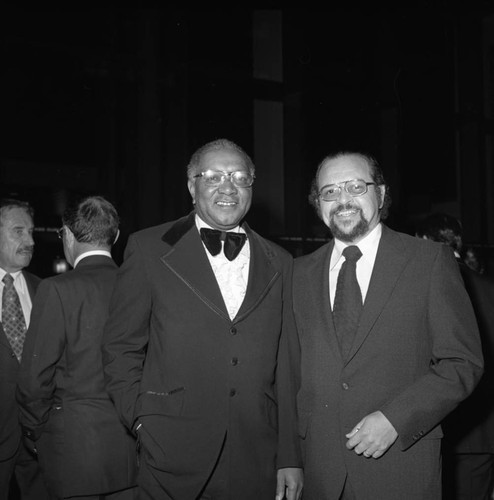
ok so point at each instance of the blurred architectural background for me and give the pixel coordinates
(113, 101)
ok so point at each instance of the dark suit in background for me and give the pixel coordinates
(468, 445)
(19, 470)
(84, 450)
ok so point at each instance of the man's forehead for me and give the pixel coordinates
(223, 158)
(345, 168)
(15, 216)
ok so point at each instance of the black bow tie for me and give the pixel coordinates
(233, 242)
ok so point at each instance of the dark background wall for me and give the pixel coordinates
(113, 101)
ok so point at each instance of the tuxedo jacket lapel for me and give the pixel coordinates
(391, 259)
(187, 259)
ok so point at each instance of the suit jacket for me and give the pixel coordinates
(416, 355)
(176, 363)
(470, 427)
(10, 430)
(83, 447)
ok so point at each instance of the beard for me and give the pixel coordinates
(348, 231)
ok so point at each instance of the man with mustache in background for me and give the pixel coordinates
(377, 378)
(17, 289)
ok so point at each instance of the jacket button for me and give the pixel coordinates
(233, 331)
(234, 361)
(232, 392)
(345, 386)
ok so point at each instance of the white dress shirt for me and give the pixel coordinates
(232, 276)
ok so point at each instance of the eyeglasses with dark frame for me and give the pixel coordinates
(239, 178)
(354, 187)
(60, 233)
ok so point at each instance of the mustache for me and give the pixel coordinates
(345, 206)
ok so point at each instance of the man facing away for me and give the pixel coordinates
(468, 444)
(84, 450)
(200, 345)
(377, 380)
(18, 287)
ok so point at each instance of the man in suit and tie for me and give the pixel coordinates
(200, 345)
(377, 380)
(17, 463)
(468, 444)
(83, 448)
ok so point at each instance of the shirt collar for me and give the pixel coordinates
(91, 252)
(19, 282)
(367, 244)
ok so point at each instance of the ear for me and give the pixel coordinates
(69, 237)
(382, 190)
(192, 189)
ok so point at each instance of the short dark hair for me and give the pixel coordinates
(375, 171)
(443, 228)
(92, 220)
(217, 145)
(8, 203)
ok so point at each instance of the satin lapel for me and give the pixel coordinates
(187, 259)
(264, 270)
(391, 259)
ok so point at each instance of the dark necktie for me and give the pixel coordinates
(348, 300)
(233, 242)
(13, 320)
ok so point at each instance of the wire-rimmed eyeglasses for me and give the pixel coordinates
(60, 233)
(354, 187)
(239, 178)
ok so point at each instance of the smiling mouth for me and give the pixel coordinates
(226, 203)
(348, 212)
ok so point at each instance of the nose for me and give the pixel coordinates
(227, 186)
(29, 239)
(344, 197)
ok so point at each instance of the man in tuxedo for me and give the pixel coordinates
(83, 448)
(377, 377)
(468, 444)
(200, 344)
(18, 466)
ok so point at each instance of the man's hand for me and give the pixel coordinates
(290, 482)
(372, 436)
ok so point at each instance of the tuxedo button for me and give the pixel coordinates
(345, 386)
(234, 361)
(233, 331)
(233, 392)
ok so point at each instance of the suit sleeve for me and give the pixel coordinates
(42, 352)
(126, 334)
(288, 380)
(457, 363)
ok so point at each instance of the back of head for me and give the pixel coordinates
(442, 228)
(92, 220)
